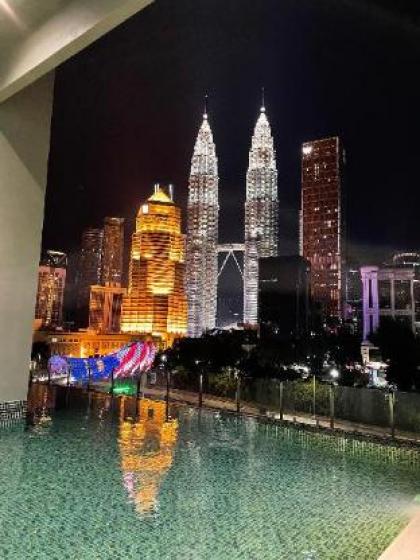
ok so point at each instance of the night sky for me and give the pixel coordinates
(127, 111)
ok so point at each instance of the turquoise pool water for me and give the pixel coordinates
(91, 483)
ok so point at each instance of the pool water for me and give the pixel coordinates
(91, 482)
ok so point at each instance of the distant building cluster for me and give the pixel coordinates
(322, 233)
(172, 284)
(50, 293)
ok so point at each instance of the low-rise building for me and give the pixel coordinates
(105, 308)
(82, 344)
(387, 292)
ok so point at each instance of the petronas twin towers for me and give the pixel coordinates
(261, 224)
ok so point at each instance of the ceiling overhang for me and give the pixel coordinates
(36, 37)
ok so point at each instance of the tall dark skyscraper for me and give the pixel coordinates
(89, 269)
(112, 252)
(283, 293)
(322, 223)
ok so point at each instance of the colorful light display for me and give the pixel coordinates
(126, 362)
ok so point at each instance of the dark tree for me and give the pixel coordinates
(400, 348)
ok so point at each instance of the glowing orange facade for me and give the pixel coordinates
(147, 448)
(156, 303)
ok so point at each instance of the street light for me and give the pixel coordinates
(200, 384)
(334, 375)
(238, 390)
(164, 359)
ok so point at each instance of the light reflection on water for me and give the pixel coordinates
(147, 449)
(108, 479)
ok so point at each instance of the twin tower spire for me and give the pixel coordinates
(261, 223)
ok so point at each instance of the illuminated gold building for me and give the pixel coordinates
(147, 450)
(85, 343)
(105, 308)
(156, 303)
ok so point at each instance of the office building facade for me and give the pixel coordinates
(112, 252)
(284, 296)
(50, 292)
(322, 227)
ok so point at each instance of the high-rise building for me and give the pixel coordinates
(284, 307)
(202, 234)
(105, 308)
(112, 252)
(322, 223)
(50, 293)
(156, 303)
(261, 212)
(89, 269)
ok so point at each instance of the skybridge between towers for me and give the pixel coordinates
(229, 250)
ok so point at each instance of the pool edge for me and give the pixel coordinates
(406, 546)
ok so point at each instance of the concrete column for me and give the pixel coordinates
(369, 276)
(24, 146)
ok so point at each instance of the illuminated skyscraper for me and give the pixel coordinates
(156, 302)
(322, 223)
(202, 235)
(112, 252)
(50, 293)
(261, 211)
(89, 269)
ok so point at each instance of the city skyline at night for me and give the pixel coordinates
(133, 117)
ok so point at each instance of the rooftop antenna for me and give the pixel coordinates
(206, 98)
(171, 191)
(156, 186)
(262, 100)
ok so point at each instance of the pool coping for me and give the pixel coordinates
(407, 545)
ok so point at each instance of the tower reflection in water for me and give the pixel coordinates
(147, 449)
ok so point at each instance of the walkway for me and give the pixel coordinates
(220, 403)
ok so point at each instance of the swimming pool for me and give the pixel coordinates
(90, 482)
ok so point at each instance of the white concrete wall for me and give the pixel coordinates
(62, 29)
(24, 146)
